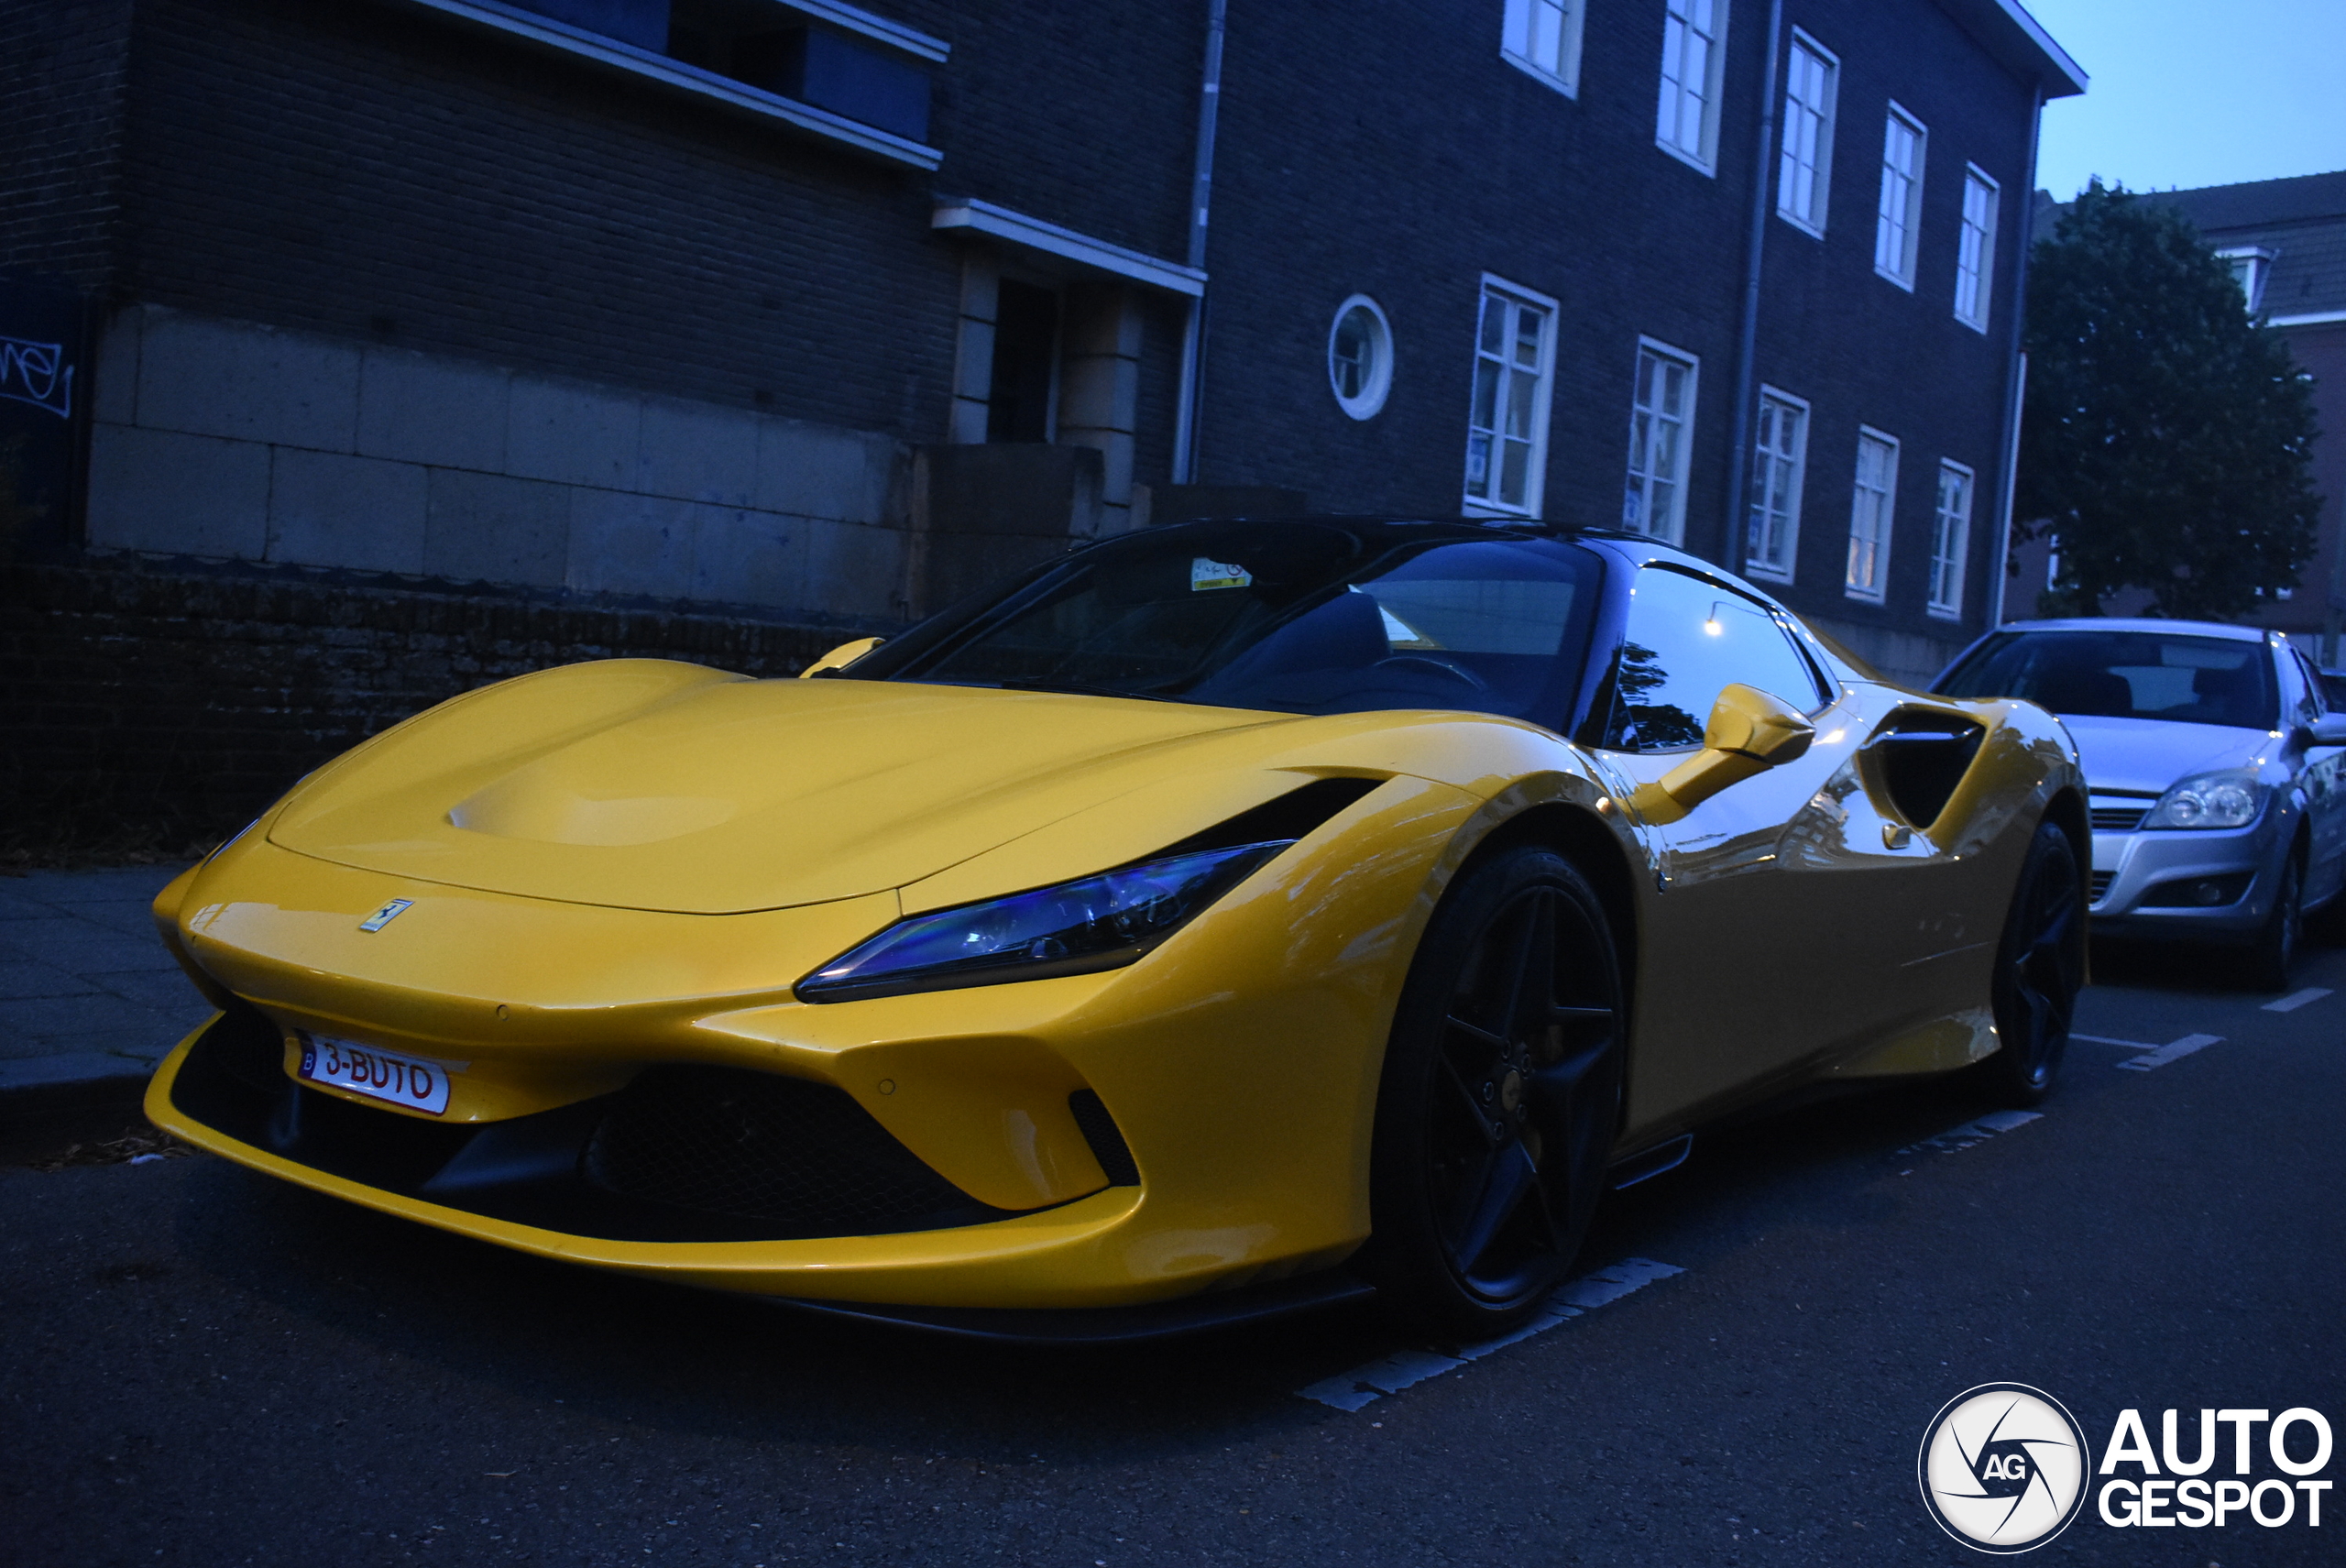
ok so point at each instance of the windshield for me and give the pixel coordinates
(1297, 617)
(2126, 674)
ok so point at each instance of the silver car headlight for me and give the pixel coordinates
(2229, 797)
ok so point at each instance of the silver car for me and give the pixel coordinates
(2214, 763)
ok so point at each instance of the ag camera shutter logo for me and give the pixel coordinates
(2004, 1467)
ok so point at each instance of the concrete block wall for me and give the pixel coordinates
(237, 441)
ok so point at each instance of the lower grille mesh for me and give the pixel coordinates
(805, 1155)
(2100, 885)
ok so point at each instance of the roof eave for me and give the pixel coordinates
(2021, 44)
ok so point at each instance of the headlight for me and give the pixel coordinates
(1099, 923)
(2228, 798)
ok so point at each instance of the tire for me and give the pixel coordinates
(2275, 952)
(1501, 1099)
(2040, 965)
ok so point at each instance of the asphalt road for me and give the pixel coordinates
(200, 1365)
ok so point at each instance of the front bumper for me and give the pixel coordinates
(1237, 1063)
(2130, 868)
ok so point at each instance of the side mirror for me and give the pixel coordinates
(1749, 733)
(846, 653)
(2330, 729)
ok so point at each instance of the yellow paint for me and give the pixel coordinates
(618, 865)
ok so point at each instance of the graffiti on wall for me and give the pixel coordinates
(40, 374)
(42, 432)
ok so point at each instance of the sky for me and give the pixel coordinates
(2190, 94)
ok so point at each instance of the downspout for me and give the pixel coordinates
(1735, 549)
(2016, 376)
(1193, 335)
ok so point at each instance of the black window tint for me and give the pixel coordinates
(2315, 701)
(2127, 675)
(1688, 638)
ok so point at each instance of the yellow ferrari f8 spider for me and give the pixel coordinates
(1221, 919)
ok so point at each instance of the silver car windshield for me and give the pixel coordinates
(2127, 675)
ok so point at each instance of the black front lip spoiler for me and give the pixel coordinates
(1106, 1326)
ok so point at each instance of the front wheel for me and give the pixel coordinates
(2040, 964)
(2274, 953)
(1501, 1099)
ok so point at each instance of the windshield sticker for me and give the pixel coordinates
(1206, 574)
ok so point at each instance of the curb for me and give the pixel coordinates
(34, 1090)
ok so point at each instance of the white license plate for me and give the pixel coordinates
(387, 1076)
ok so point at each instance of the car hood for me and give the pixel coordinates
(647, 785)
(2146, 755)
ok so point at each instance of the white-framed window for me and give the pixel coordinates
(1507, 423)
(1950, 538)
(1693, 48)
(1778, 462)
(1804, 171)
(2250, 264)
(1662, 435)
(1543, 37)
(1974, 251)
(1871, 504)
(1903, 142)
(1360, 356)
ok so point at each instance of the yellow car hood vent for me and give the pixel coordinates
(650, 785)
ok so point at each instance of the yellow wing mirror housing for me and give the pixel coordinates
(846, 653)
(1750, 731)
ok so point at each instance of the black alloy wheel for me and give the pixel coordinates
(1501, 1100)
(2275, 952)
(2040, 965)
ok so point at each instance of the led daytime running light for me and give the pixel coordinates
(1078, 927)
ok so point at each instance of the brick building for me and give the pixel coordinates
(794, 310)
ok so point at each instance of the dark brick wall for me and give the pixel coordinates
(1339, 174)
(1079, 113)
(61, 65)
(145, 710)
(378, 172)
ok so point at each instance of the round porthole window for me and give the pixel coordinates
(1360, 356)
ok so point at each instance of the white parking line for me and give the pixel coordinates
(2106, 1040)
(2297, 999)
(1958, 1139)
(2174, 1050)
(1352, 1390)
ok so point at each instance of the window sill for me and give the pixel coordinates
(610, 54)
(1760, 572)
(1547, 79)
(1814, 230)
(1863, 596)
(1979, 326)
(1941, 613)
(1889, 277)
(1709, 169)
(1492, 512)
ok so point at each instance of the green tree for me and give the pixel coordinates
(2165, 437)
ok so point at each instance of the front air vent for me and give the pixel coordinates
(800, 1156)
(1918, 758)
(2117, 819)
(1280, 820)
(2100, 886)
(1108, 1145)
